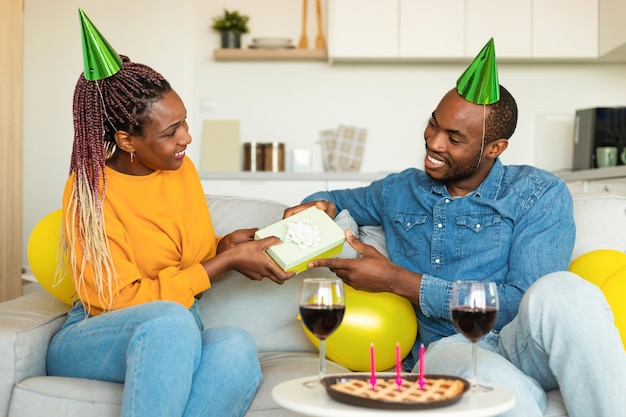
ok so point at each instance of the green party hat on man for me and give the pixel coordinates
(100, 59)
(479, 83)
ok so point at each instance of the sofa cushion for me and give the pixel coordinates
(279, 367)
(266, 310)
(232, 213)
(371, 235)
(27, 324)
(600, 223)
(556, 407)
(61, 397)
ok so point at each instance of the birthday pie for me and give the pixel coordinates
(435, 389)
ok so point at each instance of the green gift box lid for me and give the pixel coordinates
(307, 235)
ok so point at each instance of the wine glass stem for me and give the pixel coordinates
(474, 381)
(322, 358)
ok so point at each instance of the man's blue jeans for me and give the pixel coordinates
(562, 337)
(169, 365)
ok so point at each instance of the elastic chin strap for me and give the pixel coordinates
(482, 143)
(104, 107)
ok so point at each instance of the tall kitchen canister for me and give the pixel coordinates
(253, 156)
(274, 156)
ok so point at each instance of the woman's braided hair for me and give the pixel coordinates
(121, 101)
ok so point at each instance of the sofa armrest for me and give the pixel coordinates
(27, 324)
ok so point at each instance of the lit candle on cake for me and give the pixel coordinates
(372, 367)
(398, 366)
(421, 380)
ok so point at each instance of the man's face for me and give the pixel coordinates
(454, 136)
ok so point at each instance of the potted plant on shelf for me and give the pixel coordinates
(231, 25)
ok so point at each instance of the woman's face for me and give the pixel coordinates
(165, 137)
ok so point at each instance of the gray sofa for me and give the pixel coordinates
(267, 311)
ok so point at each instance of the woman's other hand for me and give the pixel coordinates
(252, 261)
(235, 238)
(248, 256)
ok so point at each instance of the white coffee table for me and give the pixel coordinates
(315, 402)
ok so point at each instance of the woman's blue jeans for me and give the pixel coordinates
(562, 337)
(169, 365)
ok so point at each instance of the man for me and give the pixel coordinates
(466, 216)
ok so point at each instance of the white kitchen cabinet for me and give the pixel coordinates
(363, 28)
(565, 28)
(612, 29)
(507, 21)
(432, 29)
(458, 29)
(609, 186)
(599, 180)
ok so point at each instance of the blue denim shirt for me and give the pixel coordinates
(514, 228)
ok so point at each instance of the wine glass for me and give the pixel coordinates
(322, 305)
(474, 307)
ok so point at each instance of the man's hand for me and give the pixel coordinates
(368, 273)
(328, 207)
(372, 272)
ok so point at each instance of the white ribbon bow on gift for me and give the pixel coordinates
(303, 233)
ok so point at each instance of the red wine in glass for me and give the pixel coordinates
(474, 307)
(474, 323)
(322, 320)
(322, 306)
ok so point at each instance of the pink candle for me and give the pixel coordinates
(421, 380)
(372, 367)
(398, 366)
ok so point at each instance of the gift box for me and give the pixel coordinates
(307, 235)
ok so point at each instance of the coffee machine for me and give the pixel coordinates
(594, 127)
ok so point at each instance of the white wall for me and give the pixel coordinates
(282, 101)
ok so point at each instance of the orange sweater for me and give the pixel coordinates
(159, 230)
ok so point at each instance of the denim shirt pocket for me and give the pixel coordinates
(409, 231)
(478, 233)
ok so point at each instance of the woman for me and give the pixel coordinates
(139, 238)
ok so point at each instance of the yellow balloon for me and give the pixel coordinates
(43, 246)
(383, 319)
(614, 289)
(597, 265)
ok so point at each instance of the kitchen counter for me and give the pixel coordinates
(292, 176)
(593, 174)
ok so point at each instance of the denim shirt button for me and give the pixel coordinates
(437, 260)
(440, 225)
(478, 226)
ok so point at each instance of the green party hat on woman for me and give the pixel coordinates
(479, 83)
(99, 57)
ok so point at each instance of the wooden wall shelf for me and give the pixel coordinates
(270, 54)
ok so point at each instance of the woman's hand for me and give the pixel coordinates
(248, 257)
(233, 239)
(251, 260)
